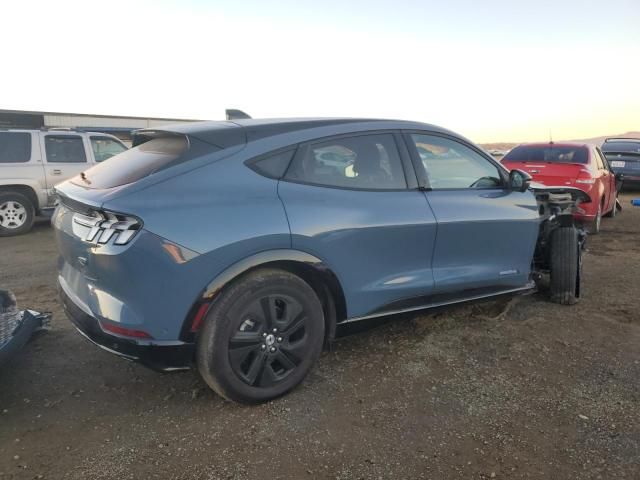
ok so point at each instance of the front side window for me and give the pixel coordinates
(15, 147)
(64, 149)
(369, 162)
(105, 147)
(450, 164)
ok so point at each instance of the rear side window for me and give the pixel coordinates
(64, 149)
(272, 166)
(136, 163)
(15, 147)
(105, 147)
(550, 153)
(368, 162)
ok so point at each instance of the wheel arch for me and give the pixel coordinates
(25, 190)
(306, 266)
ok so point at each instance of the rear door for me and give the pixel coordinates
(486, 233)
(20, 161)
(65, 156)
(353, 202)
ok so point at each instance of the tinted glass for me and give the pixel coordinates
(450, 164)
(621, 147)
(549, 153)
(369, 162)
(64, 149)
(134, 164)
(15, 147)
(272, 166)
(105, 147)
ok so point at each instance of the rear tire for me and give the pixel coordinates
(17, 214)
(564, 266)
(261, 337)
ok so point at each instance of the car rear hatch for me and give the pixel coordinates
(550, 164)
(95, 242)
(627, 162)
(550, 173)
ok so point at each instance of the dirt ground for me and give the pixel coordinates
(517, 388)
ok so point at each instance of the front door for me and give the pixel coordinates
(486, 233)
(348, 203)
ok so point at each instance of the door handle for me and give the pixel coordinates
(56, 171)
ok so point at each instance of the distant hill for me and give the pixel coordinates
(591, 141)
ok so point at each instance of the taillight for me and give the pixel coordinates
(588, 181)
(103, 226)
(585, 177)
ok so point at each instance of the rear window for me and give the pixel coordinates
(548, 153)
(136, 163)
(15, 147)
(621, 147)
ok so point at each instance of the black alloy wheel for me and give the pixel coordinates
(261, 336)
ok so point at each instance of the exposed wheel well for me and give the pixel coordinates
(24, 190)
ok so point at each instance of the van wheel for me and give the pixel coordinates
(565, 266)
(261, 337)
(16, 214)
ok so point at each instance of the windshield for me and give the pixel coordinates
(547, 153)
(134, 164)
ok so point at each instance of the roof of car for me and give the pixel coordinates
(232, 132)
(553, 144)
(621, 139)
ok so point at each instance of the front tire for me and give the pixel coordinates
(565, 266)
(17, 214)
(261, 337)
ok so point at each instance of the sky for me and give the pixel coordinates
(492, 70)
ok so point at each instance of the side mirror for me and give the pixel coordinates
(619, 176)
(519, 181)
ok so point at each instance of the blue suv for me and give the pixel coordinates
(239, 246)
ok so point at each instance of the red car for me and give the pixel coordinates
(568, 164)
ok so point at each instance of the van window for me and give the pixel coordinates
(15, 147)
(64, 149)
(105, 147)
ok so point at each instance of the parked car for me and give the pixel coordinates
(32, 162)
(576, 165)
(624, 157)
(232, 246)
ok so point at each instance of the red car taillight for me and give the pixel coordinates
(585, 178)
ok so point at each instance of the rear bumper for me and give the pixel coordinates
(160, 356)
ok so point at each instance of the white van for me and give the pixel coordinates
(32, 162)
